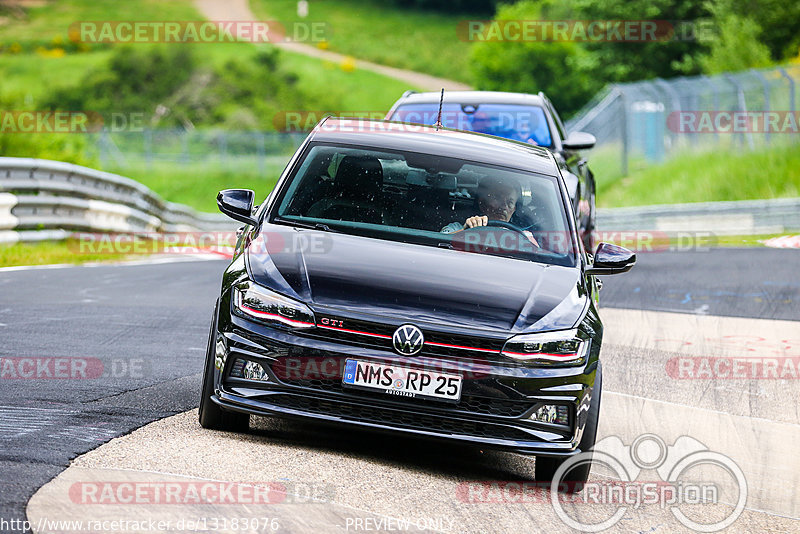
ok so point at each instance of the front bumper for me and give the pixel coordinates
(304, 381)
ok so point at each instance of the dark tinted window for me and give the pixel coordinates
(427, 199)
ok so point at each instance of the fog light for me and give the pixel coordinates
(248, 370)
(551, 413)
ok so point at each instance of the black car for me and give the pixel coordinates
(520, 117)
(354, 297)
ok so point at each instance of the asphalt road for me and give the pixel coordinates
(147, 327)
(750, 282)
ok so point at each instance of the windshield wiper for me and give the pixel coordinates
(301, 224)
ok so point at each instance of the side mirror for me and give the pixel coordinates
(237, 204)
(579, 140)
(611, 259)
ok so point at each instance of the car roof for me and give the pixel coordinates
(427, 140)
(472, 97)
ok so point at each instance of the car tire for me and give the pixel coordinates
(210, 414)
(546, 467)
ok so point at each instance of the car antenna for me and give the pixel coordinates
(439, 116)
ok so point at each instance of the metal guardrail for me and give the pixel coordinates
(41, 195)
(43, 199)
(746, 217)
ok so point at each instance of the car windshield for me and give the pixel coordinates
(520, 123)
(426, 199)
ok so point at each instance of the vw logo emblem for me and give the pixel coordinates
(408, 339)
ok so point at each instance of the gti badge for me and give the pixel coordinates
(408, 339)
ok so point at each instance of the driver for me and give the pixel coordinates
(480, 122)
(496, 200)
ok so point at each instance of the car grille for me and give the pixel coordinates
(467, 404)
(400, 419)
(357, 332)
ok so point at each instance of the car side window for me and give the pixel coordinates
(562, 132)
(559, 125)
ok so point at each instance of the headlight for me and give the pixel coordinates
(565, 347)
(267, 306)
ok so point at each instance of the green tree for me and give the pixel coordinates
(778, 22)
(563, 70)
(638, 60)
(452, 6)
(735, 46)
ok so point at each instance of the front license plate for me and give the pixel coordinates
(402, 381)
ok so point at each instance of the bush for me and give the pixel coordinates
(135, 80)
(59, 147)
(171, 89)
(452, 6)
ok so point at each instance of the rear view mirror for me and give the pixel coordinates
(237, 204)
(579, 140)
(611, 259)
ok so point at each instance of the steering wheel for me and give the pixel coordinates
(503, 224)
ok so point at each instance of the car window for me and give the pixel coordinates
(426, 200)
(520, 123)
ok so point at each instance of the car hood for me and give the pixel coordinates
(359, 276)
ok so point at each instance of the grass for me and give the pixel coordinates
(197, 184)
(28, 77)
(771, 172)
(384, 33)
(51, 252)
(740, 241)
(54, 18)
(28, 74)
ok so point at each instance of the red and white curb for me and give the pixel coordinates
(221, 251)
(784, 241)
